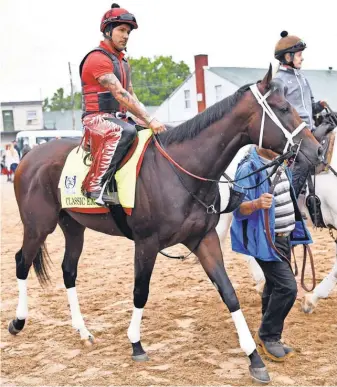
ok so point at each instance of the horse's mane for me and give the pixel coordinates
(197, 124)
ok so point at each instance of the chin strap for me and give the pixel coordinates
(262, 100)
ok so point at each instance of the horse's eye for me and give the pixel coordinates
(284, 109)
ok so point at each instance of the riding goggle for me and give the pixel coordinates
(299, 46)
(128, 17)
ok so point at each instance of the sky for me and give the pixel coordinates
(39, 37)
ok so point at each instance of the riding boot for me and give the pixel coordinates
(92, 183)
(110, 150)
(128, 136)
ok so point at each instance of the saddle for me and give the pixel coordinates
(326, 123)
(326, 137)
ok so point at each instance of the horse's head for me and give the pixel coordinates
(280, 124)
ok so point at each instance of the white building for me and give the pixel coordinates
(208, 85)
(17, 116)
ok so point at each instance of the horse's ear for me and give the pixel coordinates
(268, 77)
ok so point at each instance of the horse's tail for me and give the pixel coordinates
(42, 263)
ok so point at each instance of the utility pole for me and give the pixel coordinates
(72, 95)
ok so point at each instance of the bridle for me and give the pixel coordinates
(262, 100)
(287, 154)
(210, 209)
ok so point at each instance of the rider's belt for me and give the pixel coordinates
(282, 234)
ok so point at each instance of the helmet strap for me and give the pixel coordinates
(285, 62)
(107, 37)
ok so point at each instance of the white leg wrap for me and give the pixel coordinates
(255, 270)
(327, 285)
(76, 316)
(246, 340)
(22, 309)
(134, 327)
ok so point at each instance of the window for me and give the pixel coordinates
(31, 117)
(8, 120)
(187, 95)
(218, 92)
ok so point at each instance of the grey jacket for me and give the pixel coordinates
(297, 92)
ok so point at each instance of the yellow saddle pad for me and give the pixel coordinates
(126, 177)
(73, 174)
(75, 171)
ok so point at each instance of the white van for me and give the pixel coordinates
(36, 137)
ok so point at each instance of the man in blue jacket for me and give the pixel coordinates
(248, 235)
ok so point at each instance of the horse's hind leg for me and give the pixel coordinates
(74, 236)
(32, 252)
(210, 256)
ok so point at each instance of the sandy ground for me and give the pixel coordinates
(187, 331)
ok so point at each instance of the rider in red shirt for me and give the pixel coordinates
(107, 95)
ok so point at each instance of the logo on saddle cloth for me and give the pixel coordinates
(69, 185)
(75, 171)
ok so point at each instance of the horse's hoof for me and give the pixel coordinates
(308, 305)
(142, 357)
(88, 342)
(15, 330)
(259, 374)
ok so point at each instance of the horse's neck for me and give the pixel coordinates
(210, 153)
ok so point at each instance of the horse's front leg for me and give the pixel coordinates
(323, 290)
(210, 256)
(145, 258)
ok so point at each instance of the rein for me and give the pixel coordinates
(306, 251)
(210, 209)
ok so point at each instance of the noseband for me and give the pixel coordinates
(262, 100)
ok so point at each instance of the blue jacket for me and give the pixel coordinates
(248, 233)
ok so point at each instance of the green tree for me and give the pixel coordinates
(45, 105)
(58, 100)
(155, 79)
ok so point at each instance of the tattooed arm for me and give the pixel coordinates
(132, 92)
(130, 101)
(137, 120)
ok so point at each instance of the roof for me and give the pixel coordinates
(323, 82)
(21, 103)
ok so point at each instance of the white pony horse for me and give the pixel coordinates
(326, 188)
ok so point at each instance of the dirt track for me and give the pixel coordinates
(186, 329)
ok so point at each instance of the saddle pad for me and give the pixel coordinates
(126, 177)
(73, 174)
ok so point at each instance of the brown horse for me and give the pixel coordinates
(165, 213)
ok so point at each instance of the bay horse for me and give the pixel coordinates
(165, 212)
